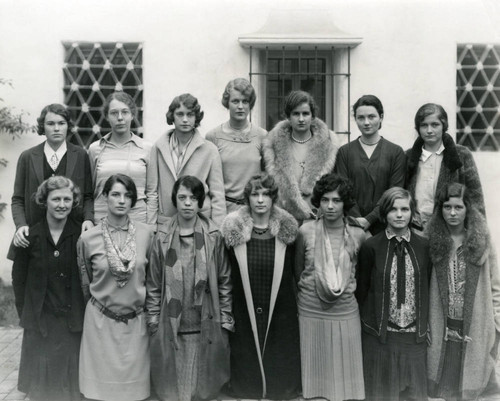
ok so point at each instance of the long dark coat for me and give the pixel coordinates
(274, 372)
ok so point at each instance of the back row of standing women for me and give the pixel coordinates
(392, 292)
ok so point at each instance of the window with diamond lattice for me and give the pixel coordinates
(91, 72)
(478, 96)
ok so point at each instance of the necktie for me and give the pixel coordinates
(54, 162)
(399, 249)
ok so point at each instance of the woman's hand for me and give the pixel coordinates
(20, 238)
(363, 223)
(87, 225)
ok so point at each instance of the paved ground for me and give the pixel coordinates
(10, 352)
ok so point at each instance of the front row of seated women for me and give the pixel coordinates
(193, 309)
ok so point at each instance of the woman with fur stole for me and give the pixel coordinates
(464, 311)
(265, 354)
(297, 152)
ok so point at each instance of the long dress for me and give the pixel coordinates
(114, 356)
(50, 304)
(280, 351)
(330, 333)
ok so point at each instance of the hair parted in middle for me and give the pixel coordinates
(428, 109)
(189, 102)
(388, 198)
(126, 181)
(193, 184)
(333, 182)
(296, 98)
(121, 97)
(241, 85)
(369, 100)
(261, 181)
(53, 183)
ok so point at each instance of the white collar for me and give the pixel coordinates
(391, 234)
(426, 154)
(59, 152)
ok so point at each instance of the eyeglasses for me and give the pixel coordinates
(116, 113)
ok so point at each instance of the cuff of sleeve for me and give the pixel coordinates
(227, 322)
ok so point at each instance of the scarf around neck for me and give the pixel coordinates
(174, 288)
(331, 280)
(121, 261)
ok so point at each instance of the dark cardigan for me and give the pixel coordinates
(373, 276)
(458, 166)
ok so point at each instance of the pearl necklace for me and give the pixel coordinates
(302, 141)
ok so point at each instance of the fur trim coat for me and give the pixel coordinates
(481, 312)
(458, 166)
(278, 155)
(265, 347)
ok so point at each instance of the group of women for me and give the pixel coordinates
(262, 265)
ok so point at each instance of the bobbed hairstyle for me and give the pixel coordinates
(121, 97)
(190, 102)
(126, 181)
(243, 86)
(331, 182)
(369, 100)
(453, 190)
(261, 181)
(193, 184)
(428, 109)
(296, 98)
(55, 108)
(388, 198)
(53, 183)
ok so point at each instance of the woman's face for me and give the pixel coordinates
(454, 212)
(368, 120)
(119, 200)
(184, 120)
(55, 128)
(119, 117)
(187, 203)
(260, 201)
(399, 216)
(431, 131)
(59, 203)
(239, 106)
(300, 119)
(332, 206)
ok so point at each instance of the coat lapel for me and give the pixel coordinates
(279, 263)
(240, 252)
(163, 145)
(196, 142)
(70, 160)
(37, 163)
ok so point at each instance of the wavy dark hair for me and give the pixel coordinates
(333, 182)
(369, 100)
(261, 181)
(190, 102)
(452, 190)
(55, 108)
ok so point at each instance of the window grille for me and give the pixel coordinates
(478, 96)
(91, 72)
(292, 68)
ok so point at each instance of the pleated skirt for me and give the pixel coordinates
(332, 361)
(394, 369)
(114, 358)
(49, 365)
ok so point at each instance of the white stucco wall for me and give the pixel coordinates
(407, 58)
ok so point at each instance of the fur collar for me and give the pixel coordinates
(278, 155)
(237, 226)
(451, 158)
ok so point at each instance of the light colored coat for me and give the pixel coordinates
(278, 155)
(202, 160)
(481, 314)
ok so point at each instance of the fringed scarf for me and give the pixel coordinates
(331, 280)
(174, 288)
(121, 261)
